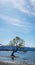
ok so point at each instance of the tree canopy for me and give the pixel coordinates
(17, 41)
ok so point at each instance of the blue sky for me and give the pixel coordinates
(17, 18)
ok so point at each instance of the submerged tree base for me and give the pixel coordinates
(12, 54)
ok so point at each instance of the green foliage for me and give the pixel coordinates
(17, 41)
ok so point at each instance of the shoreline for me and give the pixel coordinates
(10, 63)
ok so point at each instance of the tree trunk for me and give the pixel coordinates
(14, 50)
(12, 53)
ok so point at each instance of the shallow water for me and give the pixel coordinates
(25, 58)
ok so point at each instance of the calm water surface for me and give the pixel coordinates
(28, 57)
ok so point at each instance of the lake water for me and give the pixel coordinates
(25, 58)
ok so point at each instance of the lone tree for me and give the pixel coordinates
(18, 42)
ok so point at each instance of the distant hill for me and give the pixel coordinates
(0, 44)
(29, 48)
(10, 48)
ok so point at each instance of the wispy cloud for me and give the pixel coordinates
(24, 25)
(25, 6)
(10, 20)
(33, 3)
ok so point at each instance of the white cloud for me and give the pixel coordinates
(25, 6)
(10, 20)
(33, 3)
(24, 25)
